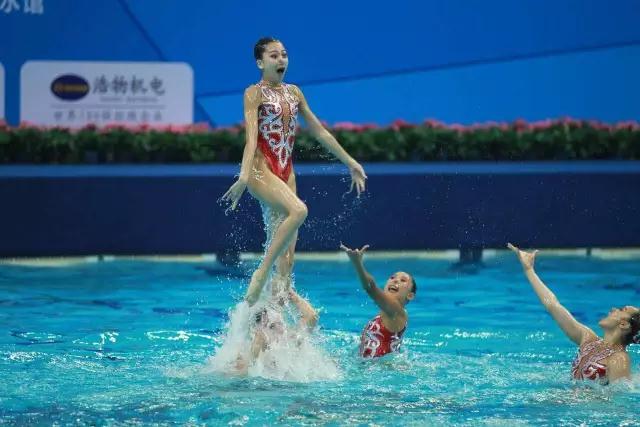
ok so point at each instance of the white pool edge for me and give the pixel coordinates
(450, 255)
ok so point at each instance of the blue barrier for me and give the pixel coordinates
(450, 61)
(171, 209)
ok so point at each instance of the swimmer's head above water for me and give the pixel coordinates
(271, 58)
(402, 286)
(627, 320)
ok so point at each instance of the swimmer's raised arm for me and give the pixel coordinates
(308, 316)
(390, 306)
(575, 330)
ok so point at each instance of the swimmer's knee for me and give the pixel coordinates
(299, 212)
(284, 264)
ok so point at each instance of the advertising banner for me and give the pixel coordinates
(74, 94)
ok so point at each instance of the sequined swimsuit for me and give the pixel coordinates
(588, 363)
(377, 340)
(277, 123)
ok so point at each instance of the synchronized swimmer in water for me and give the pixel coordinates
(260, 334)
(602, 359)
(383, 334)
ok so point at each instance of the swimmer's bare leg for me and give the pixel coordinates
(278, 196)
(284, 266)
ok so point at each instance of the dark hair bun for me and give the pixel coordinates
(261, 46)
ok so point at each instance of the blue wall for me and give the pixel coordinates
(72, 210)
(458, 61)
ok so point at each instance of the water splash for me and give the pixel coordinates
(292, 353)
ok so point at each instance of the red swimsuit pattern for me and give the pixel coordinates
(587, 364)
(377, 340)
(277, 124)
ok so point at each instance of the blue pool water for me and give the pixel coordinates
(128, 342)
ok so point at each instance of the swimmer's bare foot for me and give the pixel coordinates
(258, 279)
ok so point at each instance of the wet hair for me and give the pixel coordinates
(260, 315)
(633, 337)
(263, 318)
(261, 46)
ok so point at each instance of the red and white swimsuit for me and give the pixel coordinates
(376, 340)
(277, 124)
(587, 364)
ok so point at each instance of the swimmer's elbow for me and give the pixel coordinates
(321, 134)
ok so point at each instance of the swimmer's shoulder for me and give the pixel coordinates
(252, 90)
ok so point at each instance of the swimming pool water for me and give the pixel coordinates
(125, 342)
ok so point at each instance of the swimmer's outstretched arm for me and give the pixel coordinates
(309, 317)
(329, 142)
(388, 305)
(575, 330)
(252, 97)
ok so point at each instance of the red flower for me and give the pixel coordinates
(541, 124)
(520, 125)
(568, 121)
(599, 125)
(89, 127)
(432, 123)
(346, 126)
(631, 125)
(401, 124)
(202, 127)
(369, 126)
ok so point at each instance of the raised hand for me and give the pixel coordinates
(355, 255)
(527, 259)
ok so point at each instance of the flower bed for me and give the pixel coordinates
(562, 139)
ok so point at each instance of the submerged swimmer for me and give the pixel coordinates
(271, 330)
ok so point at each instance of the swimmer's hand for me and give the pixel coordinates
(234, 193)
(527, 259)
(309, 316)
(355, 255)
(357, 178)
